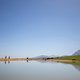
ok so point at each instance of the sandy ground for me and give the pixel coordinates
(57, 60)
(50, 60)
(14, 59)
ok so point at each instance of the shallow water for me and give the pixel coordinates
(38, 70)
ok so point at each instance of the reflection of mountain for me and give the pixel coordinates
(45, 61)
(42, 61)
(77, 67)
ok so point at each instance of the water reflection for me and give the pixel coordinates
(39, 70)
(27, 60)
(76, 65)
(6, 62)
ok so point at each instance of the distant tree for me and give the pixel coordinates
(9, 57)
(48, 58)
(5, 57)
(57, 58)
(27, 58)
(52, 58)
(73, 59)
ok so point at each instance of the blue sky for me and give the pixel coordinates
(39, 27)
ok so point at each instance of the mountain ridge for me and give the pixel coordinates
(76, 53)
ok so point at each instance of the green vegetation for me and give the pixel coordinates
(69, 58)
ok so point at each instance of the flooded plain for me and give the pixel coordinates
(39, 70)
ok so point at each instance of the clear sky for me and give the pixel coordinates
(39, 27)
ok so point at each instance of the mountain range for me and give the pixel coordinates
(44, 56)
(76, 53)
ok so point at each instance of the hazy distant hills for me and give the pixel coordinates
(54, 56)
(42, 56)
(76, 53)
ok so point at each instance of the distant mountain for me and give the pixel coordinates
(53, 56)
(76, 53)
(42, 56)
